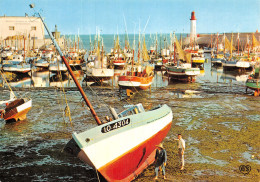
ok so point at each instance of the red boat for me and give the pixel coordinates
(16, 110)
(136, 79)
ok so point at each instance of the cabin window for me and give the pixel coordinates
(33, 28)
(11, 27)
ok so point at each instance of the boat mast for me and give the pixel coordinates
(24, 48)
(231, 46)
(174, 48)
(248, 49)
(210, 41)
(7, 84)
(71, 73)
(224, 41)
(238, 43)
(217, 44)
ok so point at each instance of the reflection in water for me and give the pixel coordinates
(40, 78)
(24, 81)
(210, 74)
(235, 76)
(59, 80)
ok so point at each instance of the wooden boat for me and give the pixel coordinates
(231, 62)
(74, 59)
(16, 109)
(253, 82)
(99, 69)
(198, 59)
(216, 60)
(158, 63)
(42, 63)
(57, 66)
(17, 68)
(94, 70)
(183, 71)
(136, 78)
(119, 60)
(234, 64)
(122, 148)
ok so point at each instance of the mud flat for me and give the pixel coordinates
(219, 122)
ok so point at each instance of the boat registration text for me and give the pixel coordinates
(116, 125)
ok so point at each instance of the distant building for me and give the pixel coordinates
(30, 27)
(56, 34)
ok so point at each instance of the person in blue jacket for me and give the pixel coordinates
(160, 160)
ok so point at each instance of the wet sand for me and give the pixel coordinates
(220, 124)
(221, 132)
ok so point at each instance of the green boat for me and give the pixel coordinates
(183, 72)
(253, 82)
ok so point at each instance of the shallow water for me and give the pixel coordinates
(220, 124)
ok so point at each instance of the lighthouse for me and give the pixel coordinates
(193, 34)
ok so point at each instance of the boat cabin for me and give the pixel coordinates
(132, 109)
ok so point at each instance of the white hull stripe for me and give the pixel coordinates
(125, 141)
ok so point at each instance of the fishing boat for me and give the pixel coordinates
(17, 68)
(198, 59)
(232, 63)
(216, 60)
(183, 71)
(74, 59)
(136, 78)
(42, 63)
(99, 69)
(16, 109)
(216, 57)
(128, 141)
(57, 66)
(122, 148)
(253, 82)
(197, 56)
(118, 58)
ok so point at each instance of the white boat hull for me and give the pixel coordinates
(107, 149)
(100, 72)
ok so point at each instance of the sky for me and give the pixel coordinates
(144, 16)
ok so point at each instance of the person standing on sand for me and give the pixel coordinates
(160, 160)
(181, 147)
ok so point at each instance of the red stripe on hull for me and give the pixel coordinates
(129, 78)
(132, 163)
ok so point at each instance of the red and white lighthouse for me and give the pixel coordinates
(193, 34)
